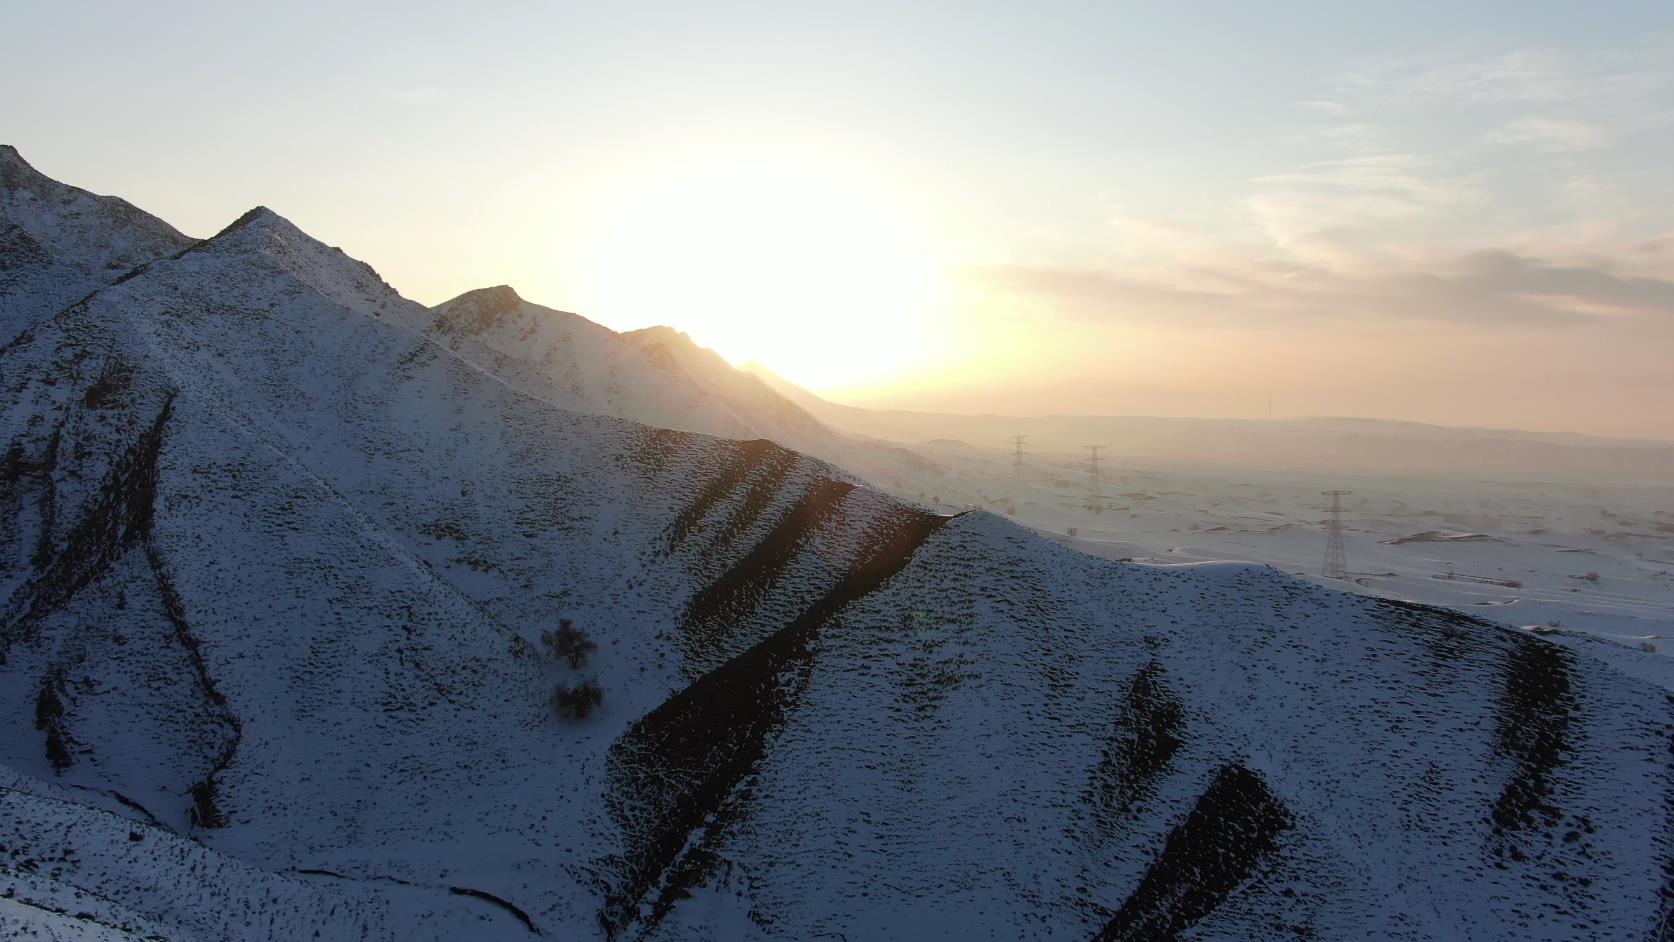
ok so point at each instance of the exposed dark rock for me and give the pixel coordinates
(1234, 825)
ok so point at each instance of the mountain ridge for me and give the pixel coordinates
(120, 235)
(61, 242)
(277, 556)
(657, 376)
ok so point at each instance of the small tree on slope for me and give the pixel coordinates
(568, 643)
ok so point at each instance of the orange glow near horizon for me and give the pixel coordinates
(800, 265)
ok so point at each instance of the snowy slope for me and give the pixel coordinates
(58, 242)
(721, 379)
(275, 551)
(656, 376)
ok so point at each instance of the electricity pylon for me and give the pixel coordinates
(1336, 561)
(1017, 444)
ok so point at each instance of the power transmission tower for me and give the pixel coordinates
(1094, 482)
(1336, 561)
(1018, 445)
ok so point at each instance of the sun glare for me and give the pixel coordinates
(797, 265)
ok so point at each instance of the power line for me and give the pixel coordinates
(1336, 561)
(1019, 445)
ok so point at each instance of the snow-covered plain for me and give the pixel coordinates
(1581, 556)
(1570, 535)
(275, 550)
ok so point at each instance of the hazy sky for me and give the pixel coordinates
(1449, 212)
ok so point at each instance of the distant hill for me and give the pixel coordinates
(1345, 444)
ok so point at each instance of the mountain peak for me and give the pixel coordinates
(14, 169)
(264, 231)
(693, 354)
(265, 238)
(260, 217)
(268, 231)
(20, 182)
(477, 310)
(661, 333)
(104, 235)
(499, 299)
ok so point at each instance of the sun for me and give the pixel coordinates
(793, 262)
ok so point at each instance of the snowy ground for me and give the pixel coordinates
(1524, 552)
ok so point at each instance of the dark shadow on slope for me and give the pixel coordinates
(120, 516)
(21, 476)
(49, 719)
(206, 811)
(1664, 931)
(654, 449)
(758, 495)
(119, 519)
(1533, 709)
(715, 612)
(677, 766)
(1534, 733)
(1150, 721)
(1448, 636)
(487, 897)
(1234, 824)
(15, 468)
(1537, 730)
(20, 249)
(744, 459)
(1532, 727)
(48, 502)
(522, 916)
(150, 818)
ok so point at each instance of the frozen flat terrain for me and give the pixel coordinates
(277, 547)
(1561, 532)
(1588, 557)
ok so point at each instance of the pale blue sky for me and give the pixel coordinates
(1440, 211)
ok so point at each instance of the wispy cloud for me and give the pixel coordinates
(1550, 135)
(1523, 76)
(1660, 247)
(1445, 133)
(1353, 193)
(1458, 186)
(1490, 287)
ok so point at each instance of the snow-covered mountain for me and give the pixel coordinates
(656, 376)
(277, 546)
(58, 242)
